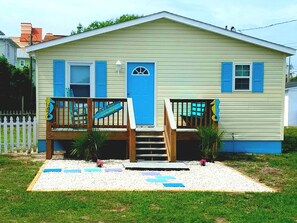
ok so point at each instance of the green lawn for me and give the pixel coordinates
(279, 171)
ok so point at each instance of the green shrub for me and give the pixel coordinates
(211, 138)
(290, 139)
(87, 146)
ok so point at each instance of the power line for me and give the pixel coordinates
(263, 27)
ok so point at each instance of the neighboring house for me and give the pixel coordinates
(30, 34)
(8, 48)
(161, 56)
(290, 117)
(23, 58)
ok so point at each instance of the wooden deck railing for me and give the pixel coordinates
(185, 117)
(131, 127)
(68, 117)
(78, 113)
(169, 131)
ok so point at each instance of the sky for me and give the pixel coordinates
(63, 16)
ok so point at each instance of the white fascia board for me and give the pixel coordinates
(170, 16)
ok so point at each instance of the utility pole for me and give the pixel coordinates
(289, 71)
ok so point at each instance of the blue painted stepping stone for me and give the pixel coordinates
(113, 170)
(173, 185)
(166, 177)
(151, 173)
(72, 171)
(156, 180)
(93, 170)
(48, 170)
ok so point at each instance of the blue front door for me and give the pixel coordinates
(141, 88)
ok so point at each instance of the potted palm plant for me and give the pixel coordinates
(211, 140)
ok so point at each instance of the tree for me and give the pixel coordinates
(100, 24)
(15, 83)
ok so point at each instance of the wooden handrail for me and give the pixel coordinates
(131, 128)
(193, 113)
(169, 131)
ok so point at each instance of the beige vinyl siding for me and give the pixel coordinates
(188, 65)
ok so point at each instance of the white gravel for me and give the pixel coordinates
(212, 177)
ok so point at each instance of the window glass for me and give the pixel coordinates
(79, 74)
(242, 77)
(80, 80)
(242, 84)
(242, 70)
(140, 71)
(80, 90)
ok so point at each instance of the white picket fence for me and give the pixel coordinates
(18, 136)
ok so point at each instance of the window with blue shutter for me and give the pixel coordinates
(81, 78)
(242, 77)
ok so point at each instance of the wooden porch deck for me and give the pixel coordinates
(69, 117)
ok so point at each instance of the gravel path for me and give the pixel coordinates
(212, 177)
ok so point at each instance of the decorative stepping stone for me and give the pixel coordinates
(113, 170)
(151, 173)
(166, 177)
(55, 170)
(72, 171)
(173, 185)
(93, 170)
(156, 180)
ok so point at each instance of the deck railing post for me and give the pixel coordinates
(169, 131)
(90, 114)
(131, 128)
(49, 142)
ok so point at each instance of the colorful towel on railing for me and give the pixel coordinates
(197, 110)
(109, 110)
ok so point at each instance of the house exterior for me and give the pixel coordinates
(8, 48)
(164, 55)
(290, 113)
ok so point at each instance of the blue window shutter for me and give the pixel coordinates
(59, 78)
(226, 78)
(258, 77)
(101, 79)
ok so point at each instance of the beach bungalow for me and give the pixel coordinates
(159, 77)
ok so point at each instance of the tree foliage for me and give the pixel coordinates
(100, 24)
(15, 83)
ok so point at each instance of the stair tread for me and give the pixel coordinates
(154, 148)
(151, 155)
(149, 136)
(150, 142)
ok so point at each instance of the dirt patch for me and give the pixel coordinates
(36, 157)
(221, 220)
(270, 170)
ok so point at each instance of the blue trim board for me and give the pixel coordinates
(58, 145)
(261, 147)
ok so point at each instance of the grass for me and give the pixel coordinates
(17, 205)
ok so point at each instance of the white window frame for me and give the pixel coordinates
(92, 74)
(250, 77)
